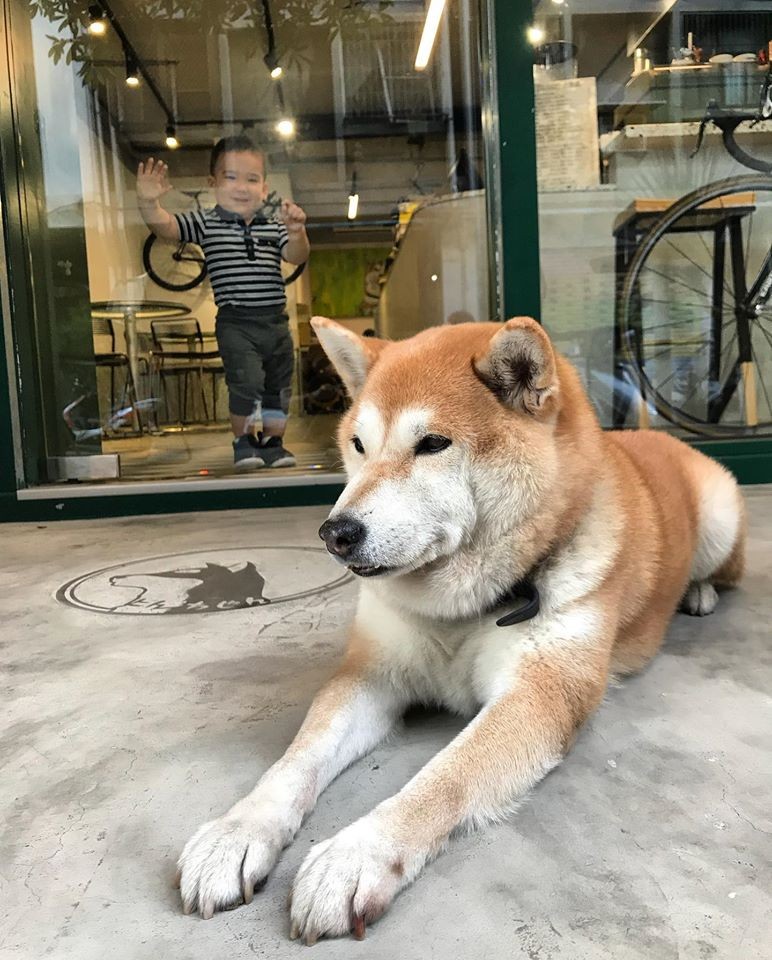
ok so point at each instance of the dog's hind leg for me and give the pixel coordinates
(731, 570)
(719, 558)
(638, 641)
(700, 599)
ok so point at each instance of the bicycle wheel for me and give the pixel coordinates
(292, 277)
(173, 265)
(696, 327)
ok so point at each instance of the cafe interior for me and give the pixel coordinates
(379, 143)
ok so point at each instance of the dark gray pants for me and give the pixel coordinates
(258, 355)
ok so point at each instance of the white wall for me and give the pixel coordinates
(447, 239)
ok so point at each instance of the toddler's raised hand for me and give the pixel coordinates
(292, 216)
(152, 180)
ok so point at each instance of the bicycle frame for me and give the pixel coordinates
(761, 291)
(748, 304)
(728, 121)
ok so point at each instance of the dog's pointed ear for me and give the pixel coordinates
(519, 367)
(351, 355)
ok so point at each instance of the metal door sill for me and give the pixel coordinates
(62, 491)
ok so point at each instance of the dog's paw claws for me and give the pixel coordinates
(358, 927)
(226, 863)
(345, 883)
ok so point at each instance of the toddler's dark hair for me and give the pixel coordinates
(240, 143)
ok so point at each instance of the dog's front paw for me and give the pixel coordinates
(347, 882)
(226, 860)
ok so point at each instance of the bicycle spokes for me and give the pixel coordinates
(697, 311)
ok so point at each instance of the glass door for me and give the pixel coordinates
(147, 352)
(655, 208)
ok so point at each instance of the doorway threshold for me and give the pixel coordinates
(72, 490)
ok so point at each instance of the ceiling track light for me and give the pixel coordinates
(286, 128)
(97, 23)
(429, 34)
(171, 137)
(134, 63)
(132, 73)
(353, 198)
(271, 60)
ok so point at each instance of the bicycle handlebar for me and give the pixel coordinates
(727, 122)
(739, 154)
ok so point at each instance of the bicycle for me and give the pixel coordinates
(694, 327)
(180, 266)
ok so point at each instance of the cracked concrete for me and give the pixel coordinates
(122, 734)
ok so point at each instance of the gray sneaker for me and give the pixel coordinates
(247, 454)
(274, 453)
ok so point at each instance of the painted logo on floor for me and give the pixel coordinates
(205, 581)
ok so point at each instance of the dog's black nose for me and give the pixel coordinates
(342, 535)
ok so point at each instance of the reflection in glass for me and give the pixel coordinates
(383, 151)
(656, 303)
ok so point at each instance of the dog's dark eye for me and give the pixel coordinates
(357, 445)
(432, 443)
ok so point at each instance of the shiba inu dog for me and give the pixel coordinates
(478, 480)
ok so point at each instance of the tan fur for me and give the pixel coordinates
(656, 475)
(615, 529)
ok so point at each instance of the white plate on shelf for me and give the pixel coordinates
(721, 58)
(745, 58)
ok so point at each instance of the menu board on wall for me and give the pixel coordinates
(567, 134)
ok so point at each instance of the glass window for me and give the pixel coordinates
(169, 309)
(654, 129)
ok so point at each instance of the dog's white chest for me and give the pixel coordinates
(458, 665)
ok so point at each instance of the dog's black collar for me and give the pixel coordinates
(525, 591)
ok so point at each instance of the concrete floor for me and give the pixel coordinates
(121, 734)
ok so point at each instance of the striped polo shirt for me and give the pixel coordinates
(243, 261)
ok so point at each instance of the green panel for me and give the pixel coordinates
(517, 154)
(47, 266)
(344, 282)
(729, 448)
(7, 473)
(54, 239)
(749, 469)
(89, 508)
(30, 319)
(749, 460)
(17, 276)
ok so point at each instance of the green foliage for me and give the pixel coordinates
(339, 280)
(292, 21)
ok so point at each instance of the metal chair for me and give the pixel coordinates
(108, 357)
(179, 350)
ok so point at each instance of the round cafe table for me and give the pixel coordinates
(129, 311)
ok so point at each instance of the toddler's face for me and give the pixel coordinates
(239, 182)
